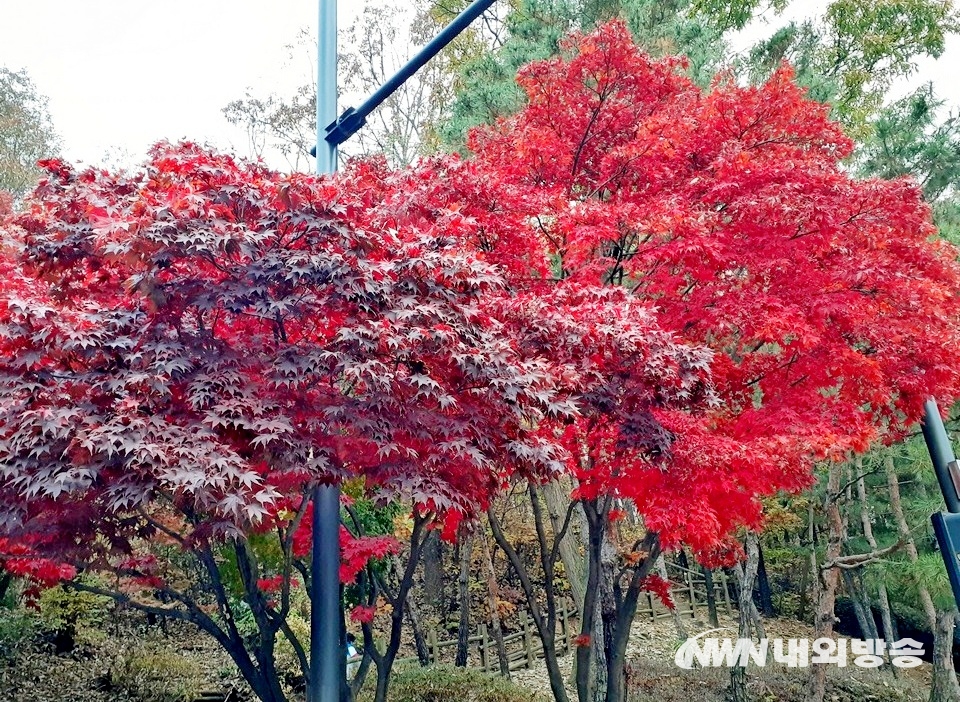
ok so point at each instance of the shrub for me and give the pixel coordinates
(153, 674)
(443, 683)
(71, 617)
(16, 627)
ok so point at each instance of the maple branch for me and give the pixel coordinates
(585, 138)
(518, 567)
(120, 598)
(176, 536)
(558, 537)
(205, 556)
(297, 647)
(294, 525)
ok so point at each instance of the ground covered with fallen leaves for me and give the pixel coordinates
(134, 662)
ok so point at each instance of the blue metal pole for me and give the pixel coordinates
(327, 655)
(337, 131)
(946, 525)
(941, 455)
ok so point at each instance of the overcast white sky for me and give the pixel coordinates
(122, 74)
(127, 73)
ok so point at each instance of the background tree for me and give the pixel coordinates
(534, 29)
(378, 43)
(851, 56)
(26, 132)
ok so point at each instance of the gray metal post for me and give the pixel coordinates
(326, 85)
(327, 655)
(941, 454)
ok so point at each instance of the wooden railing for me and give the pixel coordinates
(523, 647)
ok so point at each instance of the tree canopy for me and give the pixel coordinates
(26, 132)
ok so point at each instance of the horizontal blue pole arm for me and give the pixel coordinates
(353, 119)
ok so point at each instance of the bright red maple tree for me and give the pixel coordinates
(831, 309)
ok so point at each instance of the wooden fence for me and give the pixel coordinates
(523, 646)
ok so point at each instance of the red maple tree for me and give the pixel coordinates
(727, 215)
(187, 350)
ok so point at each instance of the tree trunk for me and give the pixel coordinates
(546, 625)
(738, 673)
(617, 660)
(711, 597)
(749, 606)
(661, 567)
(828, 579)
(893, 484)
(557, 497)
(944, 687)
(418, 541)
(861, 609)
(419, 642)
(493, 598)
(586, 681)
(883, 600)
(763, 585)
(608, 619)
(463, 627)
(432, 568)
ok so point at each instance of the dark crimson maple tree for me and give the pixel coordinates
(829, 305)
(185, 351)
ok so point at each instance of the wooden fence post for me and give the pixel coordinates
(726, 592)
(484, 648)
(528, 640)
(564, 624)
(653, 612)
(434, 648)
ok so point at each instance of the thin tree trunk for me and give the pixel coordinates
(627, 611)
(586, 681)
(608, 617)
(419, 642)
(493, 597)
(557, 497)
(432, 568)
(385, 661)
(749, 606)
(463, 627)
(861, 609)
(896, 507)
(763, 585)
(944, 687)
(661, 567)
(711, 597)
(858, 578)
(883, 600)
(546, 625)
(738, 673)
(828, 579)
